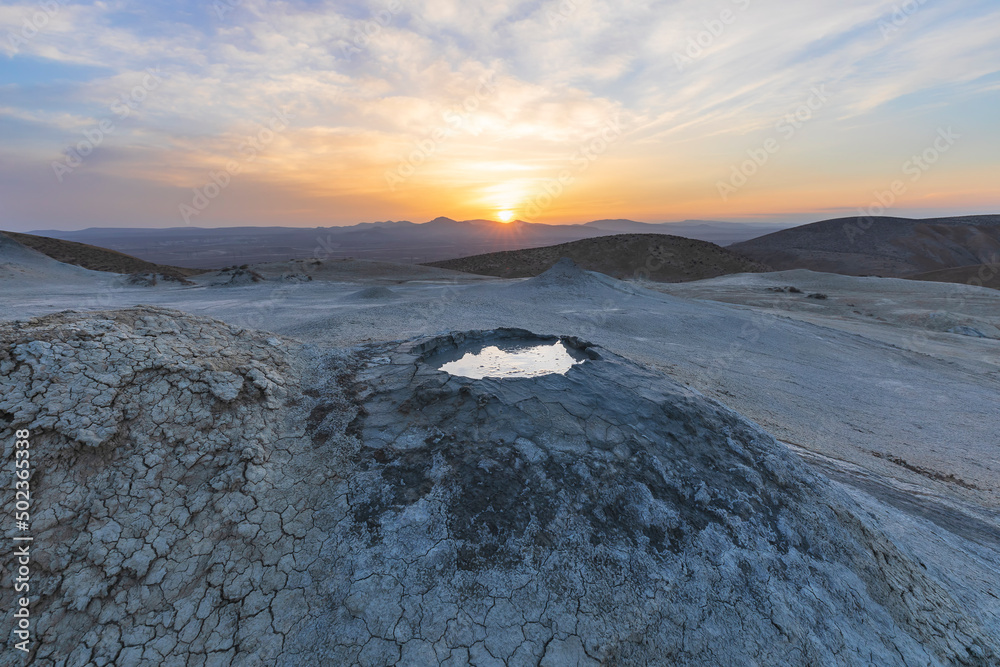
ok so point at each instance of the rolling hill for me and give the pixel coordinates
(713, 231)
(658, 257)
(95, 258)
(21, 266)
(880, 246)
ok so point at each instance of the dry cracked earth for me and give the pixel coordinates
(210, 495)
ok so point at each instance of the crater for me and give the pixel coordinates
(508, 354)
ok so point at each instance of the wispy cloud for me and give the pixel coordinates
(694, 85)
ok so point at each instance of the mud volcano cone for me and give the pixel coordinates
(609, 515)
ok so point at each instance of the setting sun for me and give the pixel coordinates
(505, 216)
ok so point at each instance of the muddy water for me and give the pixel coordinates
(511, 359)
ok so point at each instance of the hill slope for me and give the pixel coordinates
(95, 258)
(21, 265)
(722, 233)
(658, 257)
(881, 246)
(979, 275)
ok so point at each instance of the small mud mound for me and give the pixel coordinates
(152, 280)
(965, 325)
(565, 275)
(373, 294)
(236, 278)
(295, 278)
(967, 331)
(563, 272)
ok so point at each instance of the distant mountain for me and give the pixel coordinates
(658, 257)
(625, 226)
(401, 241)
(395, 241)
(882, 246)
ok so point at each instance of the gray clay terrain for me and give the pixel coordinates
(275, 471)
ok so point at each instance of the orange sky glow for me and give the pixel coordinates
(309, 114)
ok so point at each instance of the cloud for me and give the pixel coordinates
(515, 86)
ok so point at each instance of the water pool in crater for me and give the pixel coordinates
(510, 359)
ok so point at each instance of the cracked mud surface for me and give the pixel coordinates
(214, 496)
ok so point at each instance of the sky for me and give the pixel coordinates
(309, 113)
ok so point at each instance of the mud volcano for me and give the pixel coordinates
(608, 515)
(215, 496)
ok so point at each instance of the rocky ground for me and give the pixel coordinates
(211, 495)
(161, 451)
